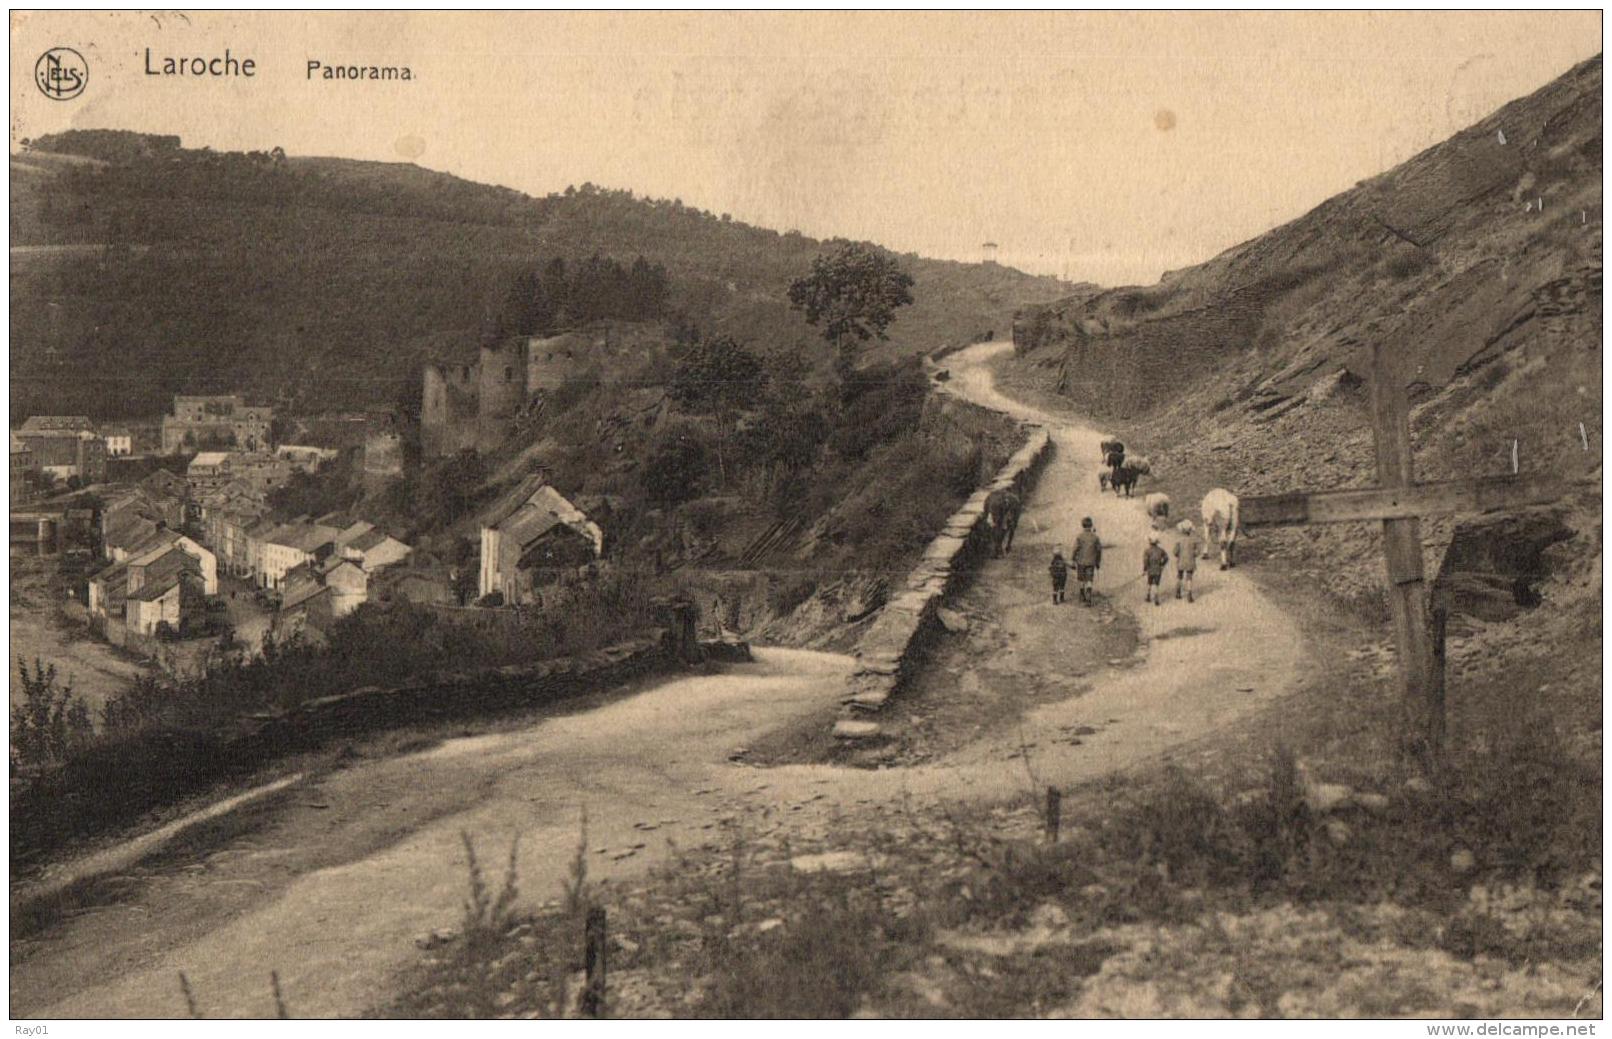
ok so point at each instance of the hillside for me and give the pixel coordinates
(1477, 263)
(321, 282)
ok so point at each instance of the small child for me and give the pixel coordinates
(1060, 575)
(1187, 551)
(1154, 560)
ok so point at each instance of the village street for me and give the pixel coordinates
(335, 877)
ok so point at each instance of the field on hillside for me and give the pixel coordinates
(325, 282)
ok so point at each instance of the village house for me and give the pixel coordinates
(226, 513)
(119, 442)
(202, 422)
(207, 470)
(304, 458)
(531, 537)
(155, 506)
(315, 595)
(373, 549)
(125, 532)
(308, 609)
(165, 581)
(22, 463)
(289, 545)
(261, 472)
(164, 482)
(65, 446)
(173, 599)
(347, 583)
(109, 591)
(232, 540)
(162, 544)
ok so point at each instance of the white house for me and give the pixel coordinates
(512, 529)
(155, 603)
(118, 442)
(290, 545)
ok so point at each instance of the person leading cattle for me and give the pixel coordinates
(1003, 508)
(1187, 551)
(1088, 558)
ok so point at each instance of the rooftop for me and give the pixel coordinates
(57, 423)
(151, 591)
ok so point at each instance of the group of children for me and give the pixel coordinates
(1088, 557)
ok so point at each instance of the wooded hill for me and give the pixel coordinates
(148, 269)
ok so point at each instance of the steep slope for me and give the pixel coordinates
(1477, 264)
(1453, 258)
(317, 281)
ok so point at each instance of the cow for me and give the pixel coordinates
(1158, 509)
(1003, 507)
(1140, 463)
(1103, 477)
(1107, 447)
(1124, 478)
(1220, 525)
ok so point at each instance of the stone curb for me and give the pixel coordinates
(889, 651)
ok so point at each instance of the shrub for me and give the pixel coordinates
(678, 467)
(50, 721)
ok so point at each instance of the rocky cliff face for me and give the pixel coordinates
(1485, 244)
(1477, 264)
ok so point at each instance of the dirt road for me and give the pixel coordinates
(332, 884)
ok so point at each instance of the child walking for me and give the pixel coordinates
(1060, 575)
(1154, 560)
(1187, 551)
(1088, 558)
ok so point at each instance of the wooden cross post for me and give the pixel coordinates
(1399, 502)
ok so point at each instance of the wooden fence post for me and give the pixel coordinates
(1402, 546)
(1054, 812)
(593, 992)
(1438, 663)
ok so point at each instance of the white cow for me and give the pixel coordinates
(1220, 524)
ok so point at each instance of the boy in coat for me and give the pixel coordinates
(1088, 555)
(1154, 560)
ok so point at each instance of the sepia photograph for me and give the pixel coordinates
(806, 515)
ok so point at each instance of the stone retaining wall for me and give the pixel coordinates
(451, 695)
(891, 649)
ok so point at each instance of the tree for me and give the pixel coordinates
(720, 378)
(852, 295)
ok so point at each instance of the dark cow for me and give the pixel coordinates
(1124, 479)
(1003, 507)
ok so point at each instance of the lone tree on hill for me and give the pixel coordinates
(721, 378)
(852, 295)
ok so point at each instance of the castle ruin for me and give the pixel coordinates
(470, 406)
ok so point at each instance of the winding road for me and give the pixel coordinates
(332, 879)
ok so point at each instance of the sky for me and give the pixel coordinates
(1102, 147)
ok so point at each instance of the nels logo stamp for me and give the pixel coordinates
(61, 73)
